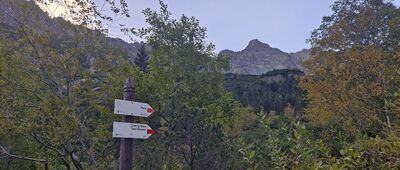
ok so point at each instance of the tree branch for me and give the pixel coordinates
(24, 157)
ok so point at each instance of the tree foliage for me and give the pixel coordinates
(351, 71)
(270, 92)
(185, 84)
(57, 90)
(351, 85)
(57, 95)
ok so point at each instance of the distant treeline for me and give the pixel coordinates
(271, 92)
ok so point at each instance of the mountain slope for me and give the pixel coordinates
(13, 13)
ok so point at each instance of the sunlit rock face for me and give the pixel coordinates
(258, 58)
(13, 12)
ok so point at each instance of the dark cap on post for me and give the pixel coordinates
(129, 85)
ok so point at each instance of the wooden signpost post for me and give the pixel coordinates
(127, 130)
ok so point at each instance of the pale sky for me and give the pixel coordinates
(231, 24)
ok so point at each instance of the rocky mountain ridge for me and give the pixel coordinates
(258, 58)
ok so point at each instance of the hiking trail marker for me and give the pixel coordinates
(132, 130)
(130, 108)
(126, 130)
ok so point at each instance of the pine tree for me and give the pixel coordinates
(142, 59)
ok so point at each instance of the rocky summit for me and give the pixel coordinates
(259, 58)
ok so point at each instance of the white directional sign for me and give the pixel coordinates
(132, 130)
(124, 107)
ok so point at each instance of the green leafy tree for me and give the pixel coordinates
(367, 153)
(185, 84)
(57, 94)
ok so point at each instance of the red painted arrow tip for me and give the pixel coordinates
(150, 110)
(151, 131)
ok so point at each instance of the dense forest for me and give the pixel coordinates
(271, 92)
(58, 82)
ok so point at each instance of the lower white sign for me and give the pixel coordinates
(132, 130)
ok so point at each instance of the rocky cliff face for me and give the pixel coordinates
(258, 58)
(302, 55)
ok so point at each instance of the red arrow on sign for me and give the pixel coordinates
(150, 110)
(151, 131)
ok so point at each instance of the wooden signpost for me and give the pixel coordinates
(127, 130)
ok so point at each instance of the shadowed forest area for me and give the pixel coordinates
(59, 80)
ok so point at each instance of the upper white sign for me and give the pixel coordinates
(124, 107)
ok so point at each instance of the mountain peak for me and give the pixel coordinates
(258, 58)
(255, 45)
